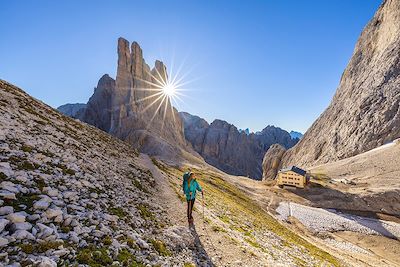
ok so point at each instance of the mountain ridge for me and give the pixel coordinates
(222, 145)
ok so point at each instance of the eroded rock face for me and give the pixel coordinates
(223, 146)
(365, 111)
(126, 108)
(140, 116)
(98, 108)
(271, 161)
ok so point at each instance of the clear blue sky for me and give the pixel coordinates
(256, 62)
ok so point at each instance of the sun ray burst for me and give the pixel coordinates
(165, 89)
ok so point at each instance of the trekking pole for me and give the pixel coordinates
(204, 218)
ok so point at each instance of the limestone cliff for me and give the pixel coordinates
(131, 109)
(222, 145)
(364, 113)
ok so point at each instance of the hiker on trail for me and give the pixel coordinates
(190, 188)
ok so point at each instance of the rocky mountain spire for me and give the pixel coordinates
(127, 110)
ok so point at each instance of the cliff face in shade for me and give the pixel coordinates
(364, 113)
(222, 145)
(98, 108)
(140, 116)
(126, 108)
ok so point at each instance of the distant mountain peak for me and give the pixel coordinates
(295, 135)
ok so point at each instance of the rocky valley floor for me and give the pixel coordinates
(360, 237)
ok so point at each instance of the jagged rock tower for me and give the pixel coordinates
(365, 111)
(126, 108)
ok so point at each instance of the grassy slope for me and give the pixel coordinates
(249, 221)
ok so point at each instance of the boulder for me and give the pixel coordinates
(6, 210)
(51, 213)
(272, 161)
(3, 242)
(17, 217)
(41, 204)
(3, 223)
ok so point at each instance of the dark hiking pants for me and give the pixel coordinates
(190, 204)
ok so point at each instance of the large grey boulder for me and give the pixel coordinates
(271, 161)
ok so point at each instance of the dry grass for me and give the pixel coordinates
(234, 208)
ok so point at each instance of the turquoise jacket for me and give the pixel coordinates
(193, 187)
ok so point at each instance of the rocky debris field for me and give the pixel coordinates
(72, 194)
(328, 220)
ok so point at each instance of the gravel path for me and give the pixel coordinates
(329, 220)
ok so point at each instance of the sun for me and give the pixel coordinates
(164, 92)
(169, 89)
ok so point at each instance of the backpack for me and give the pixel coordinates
(186, 176)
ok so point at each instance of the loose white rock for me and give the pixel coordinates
(7, 195)
(44, 230)
(17, 217)
(41, 204)
(51, 213)
(46, 262)
(52, 192)
(21, 178)
(23, 234)
(9, 186)
(6, 210)
(3, 242)
(23, 226)
(3, 223)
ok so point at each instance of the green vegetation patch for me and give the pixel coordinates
(23, 200)
(160, 247)
(40, 183)
(145, 212)
(3, 177)
(26, 148)
(140, 186)
(94, 257)
(42, 247)
(252, 242)
(65, 170)
(128, 259)
(160, 166)
(217, 228)
(107, 241)
(22, 163)
(118, 211)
